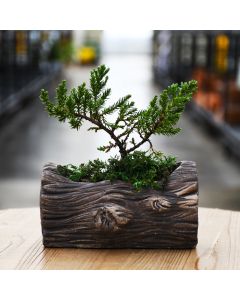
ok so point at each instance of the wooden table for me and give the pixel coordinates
(21, 247)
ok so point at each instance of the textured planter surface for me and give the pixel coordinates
(105, 215)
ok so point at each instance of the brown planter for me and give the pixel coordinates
(114, 215)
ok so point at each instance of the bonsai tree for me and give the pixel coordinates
(130, 129)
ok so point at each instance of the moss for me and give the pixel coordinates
(140, 169)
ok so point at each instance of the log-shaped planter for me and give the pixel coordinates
(114, 215)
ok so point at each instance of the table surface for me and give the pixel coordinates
(21, 247)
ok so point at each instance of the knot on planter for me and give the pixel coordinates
(159, 203)
(111, 217)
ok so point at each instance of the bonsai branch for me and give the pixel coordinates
(146, 137)
(90, 104)
(100, 125)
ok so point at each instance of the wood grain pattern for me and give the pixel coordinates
(114, 215)
(21, 247)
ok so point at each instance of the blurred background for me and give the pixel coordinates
(142, 63)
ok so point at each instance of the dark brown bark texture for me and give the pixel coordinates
(114, 215)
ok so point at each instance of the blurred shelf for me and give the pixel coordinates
(228, 135)
(23, 85)
(212, 58)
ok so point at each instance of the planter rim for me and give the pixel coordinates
(53, 167)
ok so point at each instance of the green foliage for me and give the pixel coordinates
(138, 168)
(62, 51)
(93, 171)
(132, 127)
